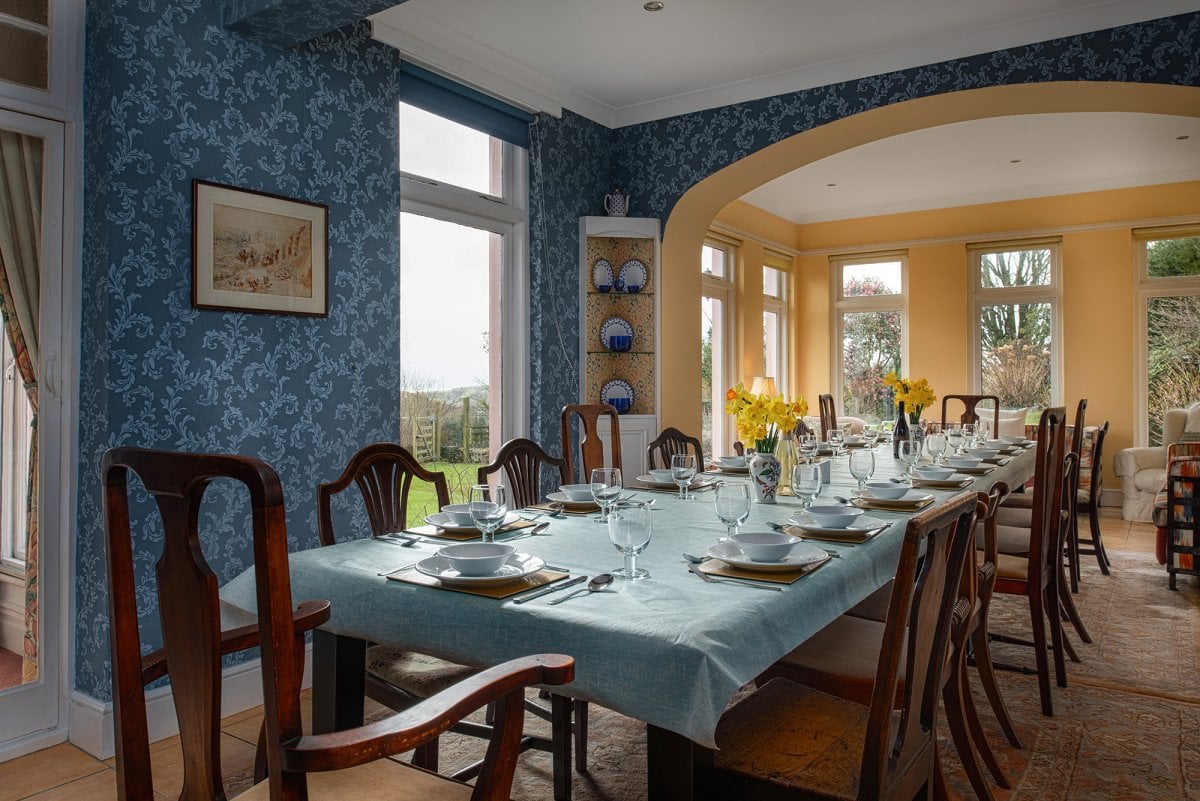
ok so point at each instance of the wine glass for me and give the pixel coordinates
(968, 432)
(606, 488)
(836, 440)
(733, 505)
(954, 436)
(488, 507)
(862, 467)
(910, 452)
(870, 435)
(683, 470)
(629, 532)
(935, 442)
(808, 447)
(806, 483)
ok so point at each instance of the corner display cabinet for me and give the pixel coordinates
(619, 327)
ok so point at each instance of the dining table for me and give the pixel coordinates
(670, 650)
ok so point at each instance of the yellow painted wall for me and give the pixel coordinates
(1099, 300)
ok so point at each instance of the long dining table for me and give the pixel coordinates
(670, 650)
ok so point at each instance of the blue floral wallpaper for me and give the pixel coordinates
(170, 95)
(286, 23)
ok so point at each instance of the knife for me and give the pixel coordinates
(562, 585)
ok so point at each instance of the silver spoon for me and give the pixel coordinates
(595, 585)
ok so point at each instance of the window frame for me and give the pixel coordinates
(1149, 287)
(15, 418)
(724, 289)
(1050, 293)
(842, 305)
(778, 305)
(507, 216)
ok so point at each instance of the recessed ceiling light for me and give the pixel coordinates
(1181, 138)
(1014, 161)
(654, 5)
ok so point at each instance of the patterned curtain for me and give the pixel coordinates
(20, 241)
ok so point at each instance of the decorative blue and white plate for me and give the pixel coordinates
(618, 394)
(602, 275)
(633, 276)
(611, 332)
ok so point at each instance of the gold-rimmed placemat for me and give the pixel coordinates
(498, 591)
(715, 567)
(891, 506)
(851, 537)
(463, 534)
(942, 483)
(567, 507)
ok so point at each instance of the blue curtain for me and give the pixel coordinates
(446, 98)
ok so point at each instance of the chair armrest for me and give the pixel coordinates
(1130, 460)
(426, 720)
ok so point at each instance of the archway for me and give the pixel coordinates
(689, 220)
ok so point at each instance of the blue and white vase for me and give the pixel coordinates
(764, 477)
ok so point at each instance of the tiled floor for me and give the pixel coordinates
(64, 772)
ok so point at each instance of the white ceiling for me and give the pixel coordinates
(619, 65)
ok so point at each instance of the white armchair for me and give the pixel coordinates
(1143, 471)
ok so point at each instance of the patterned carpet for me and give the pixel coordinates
(1126, 729)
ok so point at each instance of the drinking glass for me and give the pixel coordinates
(871, 435)
(606, 488)
(808, 447)
(629, 532)
(935, 442)
(683, 470)
(862, 467)
(806, 483)
(836, 440)
(954, 436)
(733, 505)
(968, 430)
(910, 452)
(488, 507)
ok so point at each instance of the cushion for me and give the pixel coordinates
(419, 675)
(1085, 456)
(381, 780)
(1192, 424)
(1012, 423)
(1150, 480)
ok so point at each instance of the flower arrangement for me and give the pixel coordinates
(762, 418)
(915, 393)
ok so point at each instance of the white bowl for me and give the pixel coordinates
(577, 492)
(998, 444)
(459, 514)
(477, 558)
(1013, 440)
(934, 473)
(887, 490)
(963, 461)
(661, 475)
(733, 461)
(764, 546)
(984, 453)
(854, 439)
(833, 516)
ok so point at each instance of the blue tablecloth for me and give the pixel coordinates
(670, 650)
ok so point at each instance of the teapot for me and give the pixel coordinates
(616, 204)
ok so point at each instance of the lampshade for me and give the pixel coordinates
(764, 385)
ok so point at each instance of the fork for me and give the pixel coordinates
(714, 580)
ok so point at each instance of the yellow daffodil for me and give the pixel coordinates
(761, 419)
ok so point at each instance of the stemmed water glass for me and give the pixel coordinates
(606, 488)
(806, 483)
(808, 447)
(733, 505)
(910, 453)
(862, 467)
(488, 507)
(871, 435)
(935, 442)
(968, 432)
(954, 436)
(683, 470)
(836, 440)
(629, 531)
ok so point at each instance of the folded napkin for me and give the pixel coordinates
(538, 579)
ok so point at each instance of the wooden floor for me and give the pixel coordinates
(65, 773)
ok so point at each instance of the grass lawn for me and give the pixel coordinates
(422, 500)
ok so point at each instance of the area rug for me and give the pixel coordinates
(1126, 729)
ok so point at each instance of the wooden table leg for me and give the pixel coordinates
(338, 681)
(673, 763)
(560, 752)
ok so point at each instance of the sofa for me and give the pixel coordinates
(1143, 470)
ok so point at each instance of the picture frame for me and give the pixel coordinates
(258, 252)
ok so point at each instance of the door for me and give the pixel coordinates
(31, 548)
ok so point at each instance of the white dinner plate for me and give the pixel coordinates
(801, 555)
(517, 567)
(910, 500)
(561, 497)
(442, 521)
(651, 481)
(861, 523)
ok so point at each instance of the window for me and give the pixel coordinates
(716, 343)
(1169, 325)
(1015, 355)
(15, 416)
(869, 298)
(463, 353)
(775, 323)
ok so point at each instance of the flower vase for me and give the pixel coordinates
(764, 476)
(788, 456)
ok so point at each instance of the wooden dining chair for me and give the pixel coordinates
(969, 414)
(1091, 485)
(671, 442)
(523, 462)
(591, 447)
(345, 764)
(828, 416)
(788, 740)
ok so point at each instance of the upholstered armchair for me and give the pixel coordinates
(1143, 471)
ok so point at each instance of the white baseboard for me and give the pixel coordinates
(33, 742)
(91, 721)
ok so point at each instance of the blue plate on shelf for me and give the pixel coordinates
(618, 394)
(616, 334)
(602, 275)
(632, 276)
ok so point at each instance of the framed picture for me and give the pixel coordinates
(252, 251)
